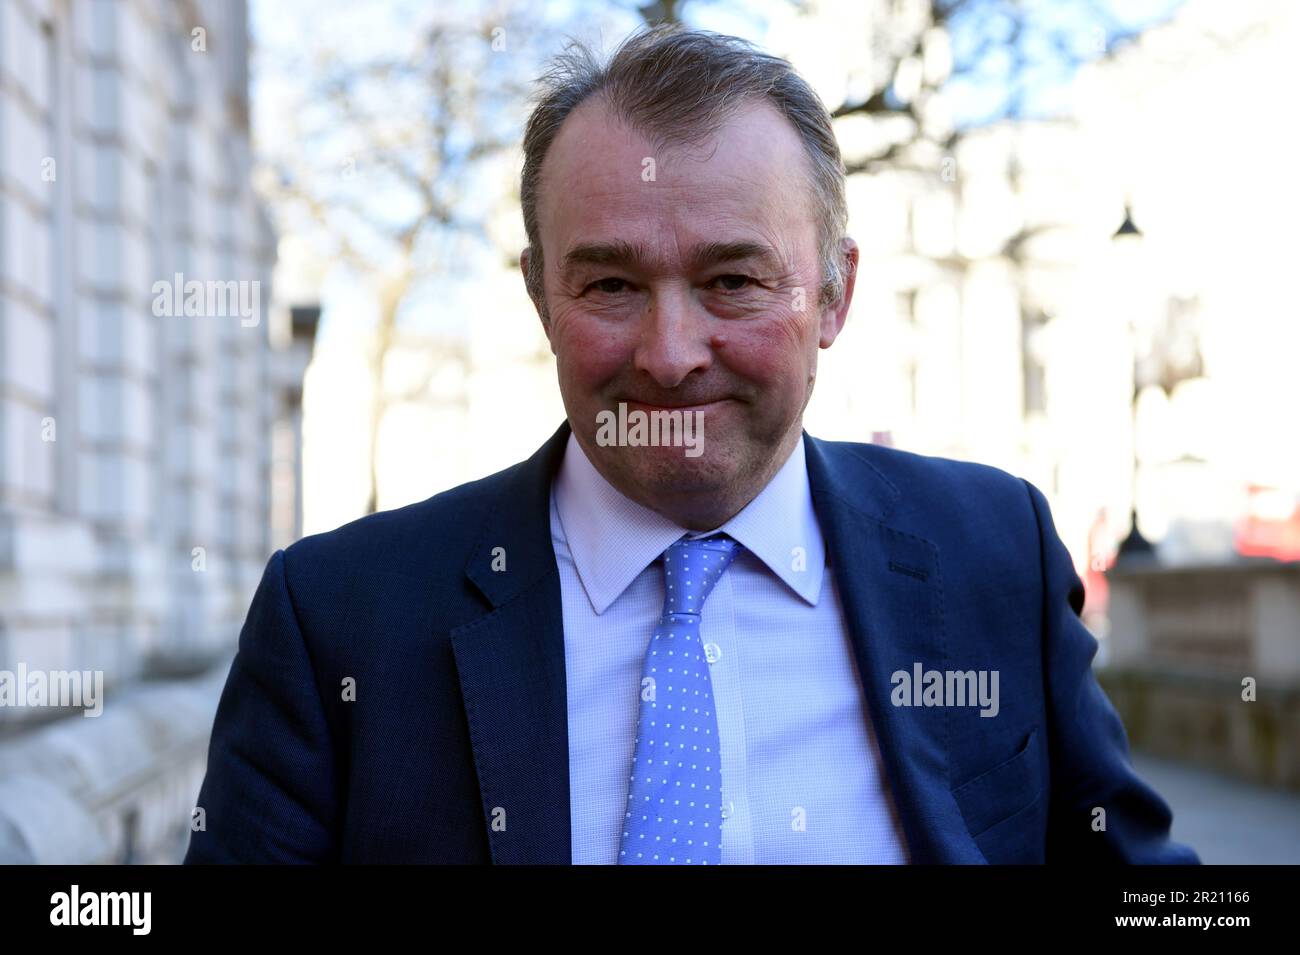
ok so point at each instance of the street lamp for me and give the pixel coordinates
(1128, 244)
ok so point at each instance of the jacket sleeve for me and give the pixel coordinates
(1088, 748)
(270, 792)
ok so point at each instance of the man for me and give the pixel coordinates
(716, 641)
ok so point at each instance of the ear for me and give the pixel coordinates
(523, 267)
(524, 258)
(834, 314)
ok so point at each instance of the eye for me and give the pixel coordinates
(725, 278)
(605, 283)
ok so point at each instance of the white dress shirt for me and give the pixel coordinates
(802, 780)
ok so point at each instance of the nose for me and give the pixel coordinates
(674, 338)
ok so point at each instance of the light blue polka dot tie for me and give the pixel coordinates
(674, 808)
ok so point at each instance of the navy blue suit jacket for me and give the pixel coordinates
(458, 716)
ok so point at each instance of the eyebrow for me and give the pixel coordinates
(621, 252)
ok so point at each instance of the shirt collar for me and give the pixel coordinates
(613, 538)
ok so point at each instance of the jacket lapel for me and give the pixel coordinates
(892, 593)
(511, 668)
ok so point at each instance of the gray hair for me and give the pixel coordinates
(678, 86)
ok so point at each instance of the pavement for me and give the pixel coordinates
(1227, 821)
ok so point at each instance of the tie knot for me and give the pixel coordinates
(691, 567)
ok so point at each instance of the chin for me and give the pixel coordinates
(668, 472)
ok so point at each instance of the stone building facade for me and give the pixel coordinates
(148, 412)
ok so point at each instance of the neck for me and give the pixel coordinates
(699, 509)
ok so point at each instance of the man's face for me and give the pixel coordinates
(694, 290)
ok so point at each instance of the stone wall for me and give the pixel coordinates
(135, 434)
(1204, 664)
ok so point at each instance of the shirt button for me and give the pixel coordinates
(728, 810)
(712, 652)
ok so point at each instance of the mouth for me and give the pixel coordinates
(646, 407)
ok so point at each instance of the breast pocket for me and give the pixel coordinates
(1003, 790)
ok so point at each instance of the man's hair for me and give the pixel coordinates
(678, 86)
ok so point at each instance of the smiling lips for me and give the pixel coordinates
(653, 406)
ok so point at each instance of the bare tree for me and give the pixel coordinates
(382, 160)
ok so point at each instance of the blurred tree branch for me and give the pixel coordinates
(381, 158)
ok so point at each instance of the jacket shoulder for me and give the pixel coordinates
(410, 540)
(966, 508)
(933, 479)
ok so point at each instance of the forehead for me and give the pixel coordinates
(747, 182)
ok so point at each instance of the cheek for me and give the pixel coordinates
(774, 353)
(588, 351)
